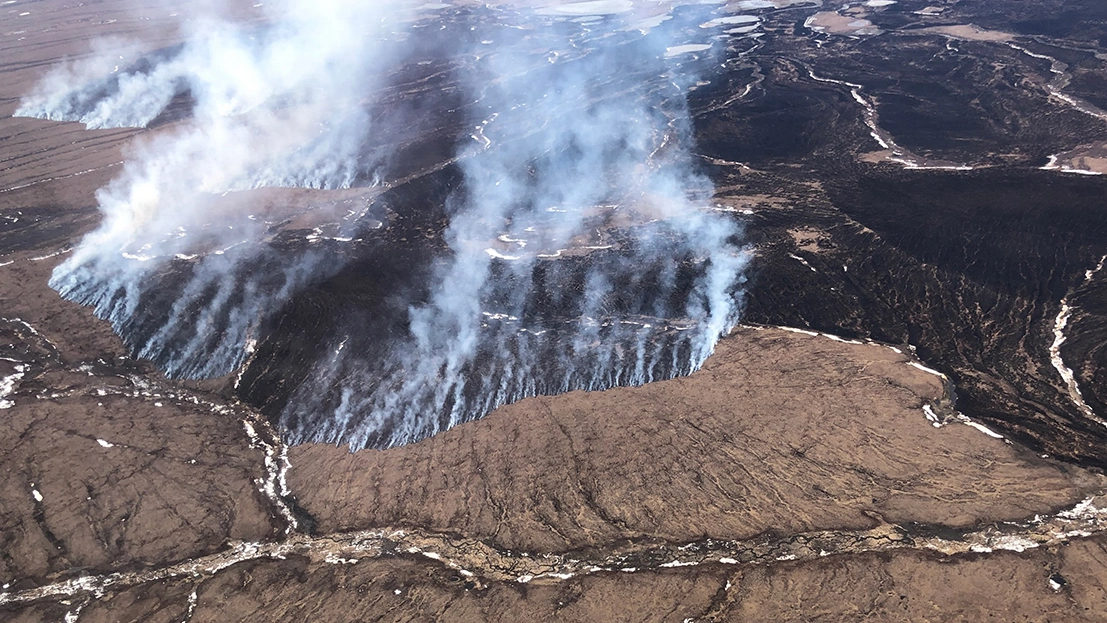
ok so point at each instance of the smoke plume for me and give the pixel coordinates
(278, 104)
(580, 251)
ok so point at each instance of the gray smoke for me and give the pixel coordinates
(583, 253)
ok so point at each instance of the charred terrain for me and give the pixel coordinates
(902, 202)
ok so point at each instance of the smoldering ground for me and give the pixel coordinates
(575, 249)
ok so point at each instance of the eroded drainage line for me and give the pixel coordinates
(481, 563)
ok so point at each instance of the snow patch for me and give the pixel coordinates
(1059, 337)
(915, 364)
(677, 50)
(984, 429)
(8, 385)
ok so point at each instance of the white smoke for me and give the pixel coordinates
(581, 177)
(581, 250)
(278, 104)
